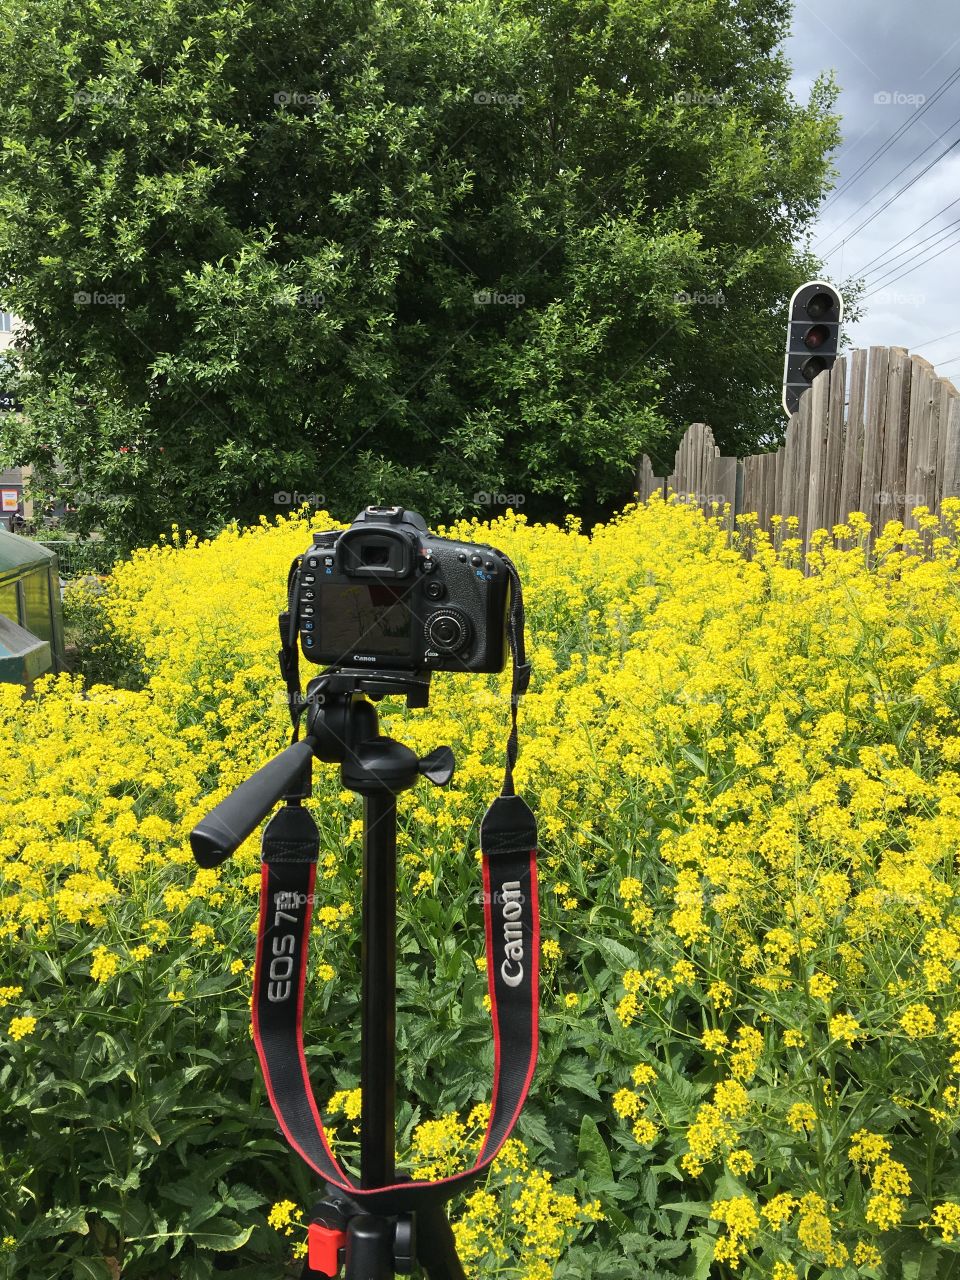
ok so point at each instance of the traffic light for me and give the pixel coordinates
(813, 336)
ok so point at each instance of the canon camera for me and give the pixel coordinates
(388, 593)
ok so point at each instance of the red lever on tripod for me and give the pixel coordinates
(323, 1248)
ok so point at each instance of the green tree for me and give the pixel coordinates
(406, 250)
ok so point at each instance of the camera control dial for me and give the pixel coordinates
(447, 630)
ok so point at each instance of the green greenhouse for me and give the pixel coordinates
(31, 616)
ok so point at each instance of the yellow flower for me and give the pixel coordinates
(644, 1131)
(867, 1148)
(918, 1021)
(720, 995)
(627, 1103)
(778, 1210)
(105, 964)
(20, 1027)
(740, 1162)
(822, 987)
(845, 1028)
(283, 1215)
(867, 1255)
(801, 1117)
(742, 1223)
(947, 1217)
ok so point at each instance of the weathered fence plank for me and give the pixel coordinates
(879, 363)
(853, 440)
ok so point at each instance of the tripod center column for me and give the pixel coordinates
(378, 993)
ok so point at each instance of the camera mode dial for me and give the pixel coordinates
(447, 630)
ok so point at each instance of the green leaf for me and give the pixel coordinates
(92, 1269)
(922, 1263)
(594, 1156)
(222, 1235)
(578, 1078)
(617, 956)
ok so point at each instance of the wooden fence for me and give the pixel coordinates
(882, 442)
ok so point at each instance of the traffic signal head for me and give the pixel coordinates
(813, 336)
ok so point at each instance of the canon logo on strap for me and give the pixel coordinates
(512, 968)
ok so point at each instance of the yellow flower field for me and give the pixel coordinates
(748, 787)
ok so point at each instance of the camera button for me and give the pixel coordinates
(462, 557)
(428, 565)
(489, 565)
(476, 561)
(309, 577)
(434, 589)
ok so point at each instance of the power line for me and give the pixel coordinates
(888, 267)
(885, 146)
(910, 270)
(929, 342)
(897, 194)
(864, 269)
(900, 172)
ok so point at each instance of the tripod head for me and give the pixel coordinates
(341, 728)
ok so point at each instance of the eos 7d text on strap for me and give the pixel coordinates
(381, 606)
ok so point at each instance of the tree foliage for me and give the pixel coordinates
(403, 250)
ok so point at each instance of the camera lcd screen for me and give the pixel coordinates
(364, 617)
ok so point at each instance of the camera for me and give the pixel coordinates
(389, 594)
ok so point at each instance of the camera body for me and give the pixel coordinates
(389, 594)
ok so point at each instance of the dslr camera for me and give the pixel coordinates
(389, 594)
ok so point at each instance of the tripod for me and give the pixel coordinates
(342, 728)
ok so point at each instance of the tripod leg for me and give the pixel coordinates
(436, 1247)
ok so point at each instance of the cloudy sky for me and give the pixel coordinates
(898, 67)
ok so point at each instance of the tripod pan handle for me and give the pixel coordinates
(226, 827)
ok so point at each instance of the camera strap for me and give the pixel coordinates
(508, 845)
